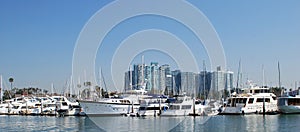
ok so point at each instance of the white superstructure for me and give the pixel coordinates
(253, 100)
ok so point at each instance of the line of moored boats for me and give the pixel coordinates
(49, 105)
(138, 103)
(253, 100)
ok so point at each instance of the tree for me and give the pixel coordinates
(11, 80)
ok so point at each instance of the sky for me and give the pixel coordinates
(38, 39)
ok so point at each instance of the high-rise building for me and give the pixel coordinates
(188, 83)
(168, 84)
(127, 80)
(154, 77)
(138, 76)
(147, 73)
(221, 81)
(176, 82)
(161, 80)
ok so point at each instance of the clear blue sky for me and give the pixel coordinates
(37, 38)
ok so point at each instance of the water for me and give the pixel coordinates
(217, 123)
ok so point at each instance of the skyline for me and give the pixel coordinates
(38, 39)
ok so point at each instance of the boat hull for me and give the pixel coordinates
(92, 108)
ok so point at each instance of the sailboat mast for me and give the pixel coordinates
(103, 81)
(279, 79)
(130, 77)
(99, 74)
(52, 86)
(142, 85)
(204, 77)
(71, 85)
(263, 76)
(1, 87)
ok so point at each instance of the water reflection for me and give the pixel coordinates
(137, 124)
(215, 123)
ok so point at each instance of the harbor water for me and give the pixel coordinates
(215, 123)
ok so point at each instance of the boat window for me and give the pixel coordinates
(244, 100)
(142, 108)
(76, 106)
(174, 107)
(250, 100)
(64, 104)
(262, 100)
(293, 101)
(233, 102)
(259, 100)
(229, 102)
(153, 108)
(256, 91)
(186, 106)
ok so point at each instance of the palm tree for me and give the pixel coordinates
(11, 80)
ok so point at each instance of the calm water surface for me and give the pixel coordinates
(217, 123)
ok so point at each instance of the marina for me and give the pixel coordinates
(157, 66)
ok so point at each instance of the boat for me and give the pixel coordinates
(152, 107)
(67, 107)
(253, 100)
(183, 106)
(5, 108)
(112, 106)
(107, 106)
(289, 103)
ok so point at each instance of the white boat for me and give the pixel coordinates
(289, 104)
(108, 106)
(66, 107)
(254, 100)
(116, 105)
(152, 107)
(49, 109)
(183, 106)
(5, 108)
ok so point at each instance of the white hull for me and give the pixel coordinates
(176, 113)
(289, 109)
(289, 105)
(92, 108)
